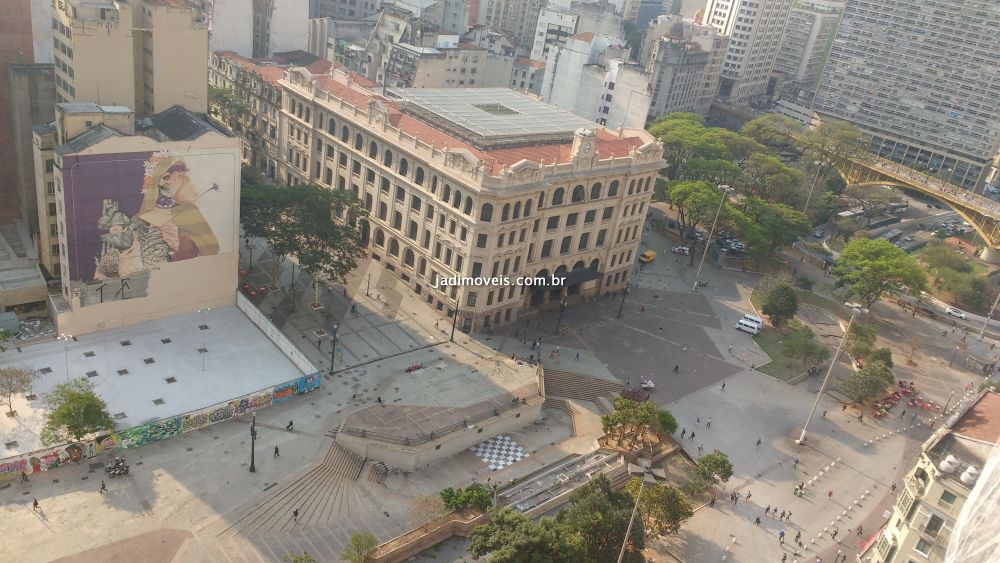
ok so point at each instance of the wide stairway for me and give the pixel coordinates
(325, 494)
(571, 385)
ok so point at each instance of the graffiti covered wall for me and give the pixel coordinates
(52, 458)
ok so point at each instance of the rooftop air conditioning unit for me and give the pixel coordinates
(949, 464)
(970, 475)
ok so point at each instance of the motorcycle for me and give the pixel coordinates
(703, 283)
(118, 471)
(647, 384)
(414, 367)
(114, 464)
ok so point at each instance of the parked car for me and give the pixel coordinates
(958, 313)
(647, 257)
(818, 233)
(682, 250)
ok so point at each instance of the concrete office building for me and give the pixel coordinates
(556, 25)
(146, 212)
(754, 28)
(593, 77)
(528, 75)
(32, 101)
(147, 55)
(892, 71)
(231, 25)
(463, 66)
(519, 17)
(934, 492)
(684, 59)
(279, 25)
(344, 9)
(808, 37)
(481, 183)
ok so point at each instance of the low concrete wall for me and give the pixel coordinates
(417, 541)
(274, 334)
(409, 458)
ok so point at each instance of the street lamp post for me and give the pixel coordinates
(249, 252)
(826, 378)
(819, 169)
(65, 338)
(204, 349)
(954, 355)
(333, 348)
(622, 304)
(989, 316)
(454, 320)
(708, 240)
(562, 307)
(253, 441)
(628, 532)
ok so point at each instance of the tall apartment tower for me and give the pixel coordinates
(809, 33)
(148, 55)
(754, 28)
(684, 58)
(922, 79)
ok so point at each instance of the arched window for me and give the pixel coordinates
(372, 150)
(517, 210)
(595, 191)
(368, 202)
(423, 266)
(354, 189)
(359, 141)
(331, 127)
(446, 194)
(557, 196)
(486, 213)
(404, 166)
(408, 257)
(393, 247)
(631, 186)
(456, 202)
(387, 157)
(613, 189)
(595, 265)
(468, 206)
(541, 200)
(578, 194)
(379, 237)
(307, 115)
(345, 133)
(434, 184)
(648, 181)
(579, 265)
(527, 208)
(418, 176)
(505, 214)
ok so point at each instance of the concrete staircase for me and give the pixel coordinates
(571, 385)
(566, 407)
(325, 494)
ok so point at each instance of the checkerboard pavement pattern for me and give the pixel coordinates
(499, 452)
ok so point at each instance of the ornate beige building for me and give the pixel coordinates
(484, 183)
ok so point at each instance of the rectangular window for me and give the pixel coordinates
(947, 498)
(54, 250)
(470, 299)
(50, 188)
(547, 249)
(584, 239)
(49, 164)
(52, 210)
(510, 238)
(552, 223)
(451, 227)
(437, 250)
(500, 241)
(481, 240)
(400, 192)
(564, 246)
(923, 547)
(477, 269)
(571, 219)
(415, 203)
(524, 233)
(458, 262)
(53, 230)
(590, 216)
(608, 212)
(489, 299)
(517, 264)
(463, 233)
(600, 237)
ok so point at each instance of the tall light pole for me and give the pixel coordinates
(454, 319)
(819, 169)
(708, 241)
(333, 348)
(829, 370)
(253, 442)
(622, 304)
(65, 338)
(204, 349)
(628, 532)
(989, 316)
(562, 307)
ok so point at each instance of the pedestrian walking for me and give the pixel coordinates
(892, 489)
(759, 442)
(290, 426)
(860, 530)
(748, 495)
(798, 536)
(701, 448)
(730, 348)
(708, 424)
(711, 502)
(756, 521)
(844, 408)
(824, 414)
(789, 517)
(782, 517)
(861, 417)
(834, 534)
(642, 308)
(796, 462)
(697, 420)
(578, 355)
(691, 437)
(436, 322)
(104, 488)
(24, 477)
(276, 453)
(295, 515)
(677, 368)
(902, 414)
(732, 497)
(829, 494)
(784, 558)
(781, 537)
(723, 386)
(34, 503)
(767, 511)
(683, 432)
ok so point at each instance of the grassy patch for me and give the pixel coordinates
(781, 367)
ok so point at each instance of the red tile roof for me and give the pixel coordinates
(585, 36)
(982, 420)
(525, 61)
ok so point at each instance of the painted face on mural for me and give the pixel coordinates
(174, 186)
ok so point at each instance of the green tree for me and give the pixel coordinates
(871, 268)
(835, 183)
(600, 515)
(781, 304)
(836, 139)
(663, 509)
(776, 225)
(773, 131)
(15, 381)
(714, 468)
(302, 221)
(860, 340)
(226, 104)
(476, 495)
(629, 417)
(514, 538)
(768, 178)
(867, 382)
(74, 411)
(846, 227)
(717, 171)
(697, 203)
(666, 421)
(298, 558)
(881, 355)
(801, 343)
(360, 548)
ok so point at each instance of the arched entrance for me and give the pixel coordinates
(538, 291)
(365, 229)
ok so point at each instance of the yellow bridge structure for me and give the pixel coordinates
(981, 212)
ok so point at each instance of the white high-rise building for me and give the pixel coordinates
(922, 79)
(808, 36)
(755, 28)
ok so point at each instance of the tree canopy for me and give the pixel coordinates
(867, 382)
(871, 268)
(773, 131)
(476, 495)
(663, 509)
(74, 412)
(714, 468)
(801, 343)
(15, 381)
(360, 548)
(515, 538)
(781, 304)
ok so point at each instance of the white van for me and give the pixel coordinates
(754, 319)
(747, 326)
